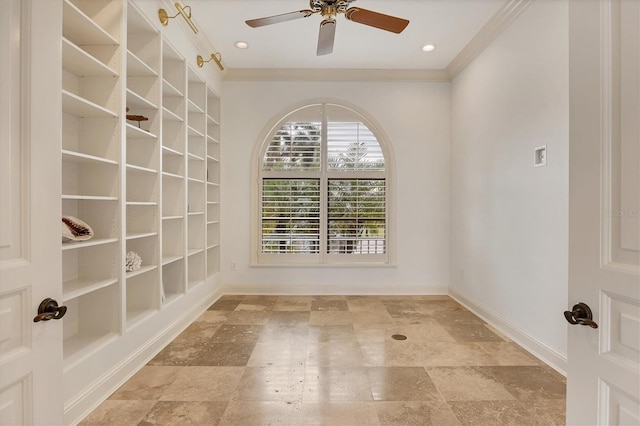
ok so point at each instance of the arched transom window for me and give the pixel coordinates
(323, 191)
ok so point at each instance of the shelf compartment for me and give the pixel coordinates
(173, 279)
(98, 137)
(195, 233)
(90, 323)
(135, 132)
(75, 288)
(173, 69)
(142, 184)
(213, 234)
(169, 115)
(80, 107)
(213, 261)
(82, 29)
(100, 215)
(192, 131)
(142, 221)
(193, 107)
(88, 270)
(135, 100)
(143, 154)
(172, 164)
(81, 158)
(136, 67)
(89, 178)
(173, 241)
(169, 89)
(146, 248)
(81, 63)
(142, 297)
(213, 105)
(89, 243)
(196, 265)
(142, 270)
(173, 136)
(213, 211)
(170, 259)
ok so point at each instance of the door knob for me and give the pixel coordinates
(581, 314)
(49, 310)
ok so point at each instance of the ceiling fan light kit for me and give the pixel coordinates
(329, 9)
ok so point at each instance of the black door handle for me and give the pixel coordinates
(581, 315)
(49, 310)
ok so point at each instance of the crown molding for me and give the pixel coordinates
(492, 29)
(347, 75)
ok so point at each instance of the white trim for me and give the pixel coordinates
(97, 392)
(539, 349)
(319, 74)
(492, 29)
(334, 289)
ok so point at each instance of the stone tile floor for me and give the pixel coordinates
(330, 360)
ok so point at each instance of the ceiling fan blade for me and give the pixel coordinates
(326, 37)
(276, 19)
(377, 20)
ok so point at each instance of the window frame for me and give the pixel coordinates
(323, 175)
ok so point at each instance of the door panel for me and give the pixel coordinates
(30, 353)
(603, 383)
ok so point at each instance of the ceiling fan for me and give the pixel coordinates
(329, 9)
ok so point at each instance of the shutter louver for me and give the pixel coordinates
(290, 215)
(294, 147)
(352, 147)
(357, 216)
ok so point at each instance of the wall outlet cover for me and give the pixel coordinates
(540, 156)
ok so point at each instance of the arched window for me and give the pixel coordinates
(323, 189)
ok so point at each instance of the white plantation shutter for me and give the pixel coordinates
(352, 146)
(323, 190)
(357, 216)
(290, 216)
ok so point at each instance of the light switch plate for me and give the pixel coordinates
(540, 156)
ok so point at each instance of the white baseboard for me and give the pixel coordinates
(539, 349)
(331, 289)
(76, 409)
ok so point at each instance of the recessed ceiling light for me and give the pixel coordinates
(428, 47)
(242, 45)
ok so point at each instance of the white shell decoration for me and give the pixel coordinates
(73, 229)
(133, 261)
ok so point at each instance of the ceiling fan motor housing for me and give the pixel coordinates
(341, 6)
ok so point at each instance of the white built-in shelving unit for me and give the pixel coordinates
(151, 187)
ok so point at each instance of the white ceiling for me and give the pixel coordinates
(449, 24)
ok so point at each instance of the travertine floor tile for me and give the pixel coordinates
(343, 354)
(149, 383)
(282, 354)
(483, 413)
(175, 413)
(119, 412)
(259, 413)
(272, 360)
(336, 384)
(203, 384)
(270, 384)
(402, 384)
(340, 414)
(468, 383)
(413, 413)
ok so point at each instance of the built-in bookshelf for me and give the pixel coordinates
(92, 90)
(140, 165)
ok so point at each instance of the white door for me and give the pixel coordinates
(603, 384)
(30, 266)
